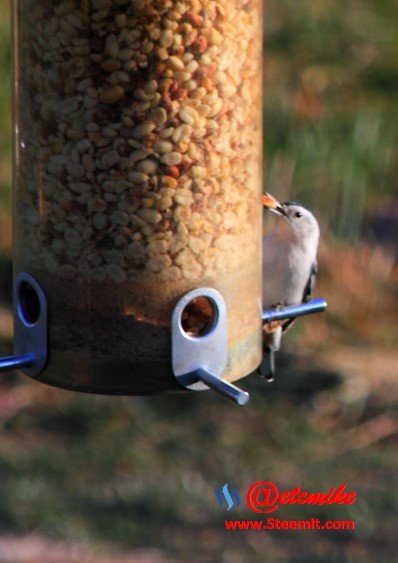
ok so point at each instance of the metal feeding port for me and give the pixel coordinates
(199, 358)
(294, 311)
(199, 347)
(30, 328)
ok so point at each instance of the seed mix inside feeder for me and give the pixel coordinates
(137, 181)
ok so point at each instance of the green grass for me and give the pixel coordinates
(339, 158)
(139, 472)
(5, 73)
(5, 103)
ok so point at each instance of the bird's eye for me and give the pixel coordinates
(298, 214)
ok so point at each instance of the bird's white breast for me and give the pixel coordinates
(286, 269)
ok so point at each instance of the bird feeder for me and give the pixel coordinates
(137, 194)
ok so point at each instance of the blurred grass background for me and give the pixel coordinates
(87, 478)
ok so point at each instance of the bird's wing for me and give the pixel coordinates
(309, 288)
(307, 292)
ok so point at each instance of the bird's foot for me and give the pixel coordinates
(269, 328)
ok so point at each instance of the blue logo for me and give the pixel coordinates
(225, 494)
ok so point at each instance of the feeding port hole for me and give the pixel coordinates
(199, 317)
(28, 303)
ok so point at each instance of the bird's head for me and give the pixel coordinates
(298, 220)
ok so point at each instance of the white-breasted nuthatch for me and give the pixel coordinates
(289, 268)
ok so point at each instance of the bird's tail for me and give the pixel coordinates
(267, 366)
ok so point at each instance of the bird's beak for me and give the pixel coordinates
(273, 204)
